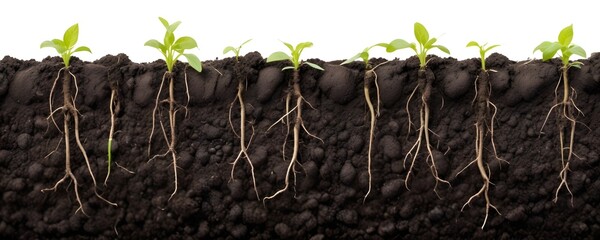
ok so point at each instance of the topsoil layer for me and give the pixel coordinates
(326, 201)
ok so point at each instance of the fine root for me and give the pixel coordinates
(243, 147)
(70, 111)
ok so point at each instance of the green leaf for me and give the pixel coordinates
(286, 68)
(289, 46)
(441, 48)
(472, 44)
(247, 41)
(542, 46)
(315, 66)
(490, 47)
(185, 43)
(303, 45)
(278, 56)
(566, 36)
(430, 43)
(365, 56)
(155, 44)
(173, 26)
(194, 61)
(352, 59)
(397, 44)
(421, 33)
(49, 44)
(229, 49)
(71, 36)
(164, 22)
(169, 38)
(550, 51)
(577, 50)
(82, 49)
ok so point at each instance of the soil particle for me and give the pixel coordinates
(283, 230)
(516, 214)
(338, 83)
(23, 141)
(391, 79)
(390, 146)
(348, 173)
(143, 91)
(392, 188)
(348, 216)
(268, 80)
(530, 78)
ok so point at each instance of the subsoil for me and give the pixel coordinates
(326, 201)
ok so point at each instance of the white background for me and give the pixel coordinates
(338, 29)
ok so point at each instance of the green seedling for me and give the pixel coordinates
(483, 109)
(421, 48)
(240, 98)
(66, 48)
(566, 108)
(171, 48)
(370, 77)
(293, 87)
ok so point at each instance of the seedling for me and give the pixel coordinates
(566, 108)
(240, 97)
(66, 48)
(421, 48)
(370, 77)
(293, 87)
(483, 105)
(171, 48)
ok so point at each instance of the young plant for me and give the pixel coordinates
(171, 48)
(421, 48)
(66, 48)
(566, 108)
(483, 107)
(370, 77)
(293, 87)
(240, 98)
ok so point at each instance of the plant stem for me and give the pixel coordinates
(172, 126)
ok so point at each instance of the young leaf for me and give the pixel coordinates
(229, 49)
(286, 68)
(566, 35)
(185, 43)
(278, 56)
(472, 44)
(155, 44)
(421, 33)
(82, 49)
(577, 50)
(490, 47)
(315, 66)
(194, 61)
(353, 58)
(441, 48)
(71, 35)
(164, 22)
(397, 44)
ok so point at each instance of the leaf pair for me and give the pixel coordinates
(294, 57)
(550, 49)
(65, 46)
(424, 44)
(172, 48)
(483, 49)
(236, 51)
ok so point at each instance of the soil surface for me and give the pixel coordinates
(326, 201)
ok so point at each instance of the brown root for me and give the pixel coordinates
(243, 148)
(70, 111)
(424, 85)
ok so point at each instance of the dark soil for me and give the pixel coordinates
(327, 200)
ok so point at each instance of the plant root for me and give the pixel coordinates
(298, 123)
(243, 148)
(69, 111)
(566, 110)
(170, 139)
(424, 85)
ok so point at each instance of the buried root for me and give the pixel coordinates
(298, 123)
(565, 112)
(424, 85)
(170, 139)
(70, 111)
(243, 147)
